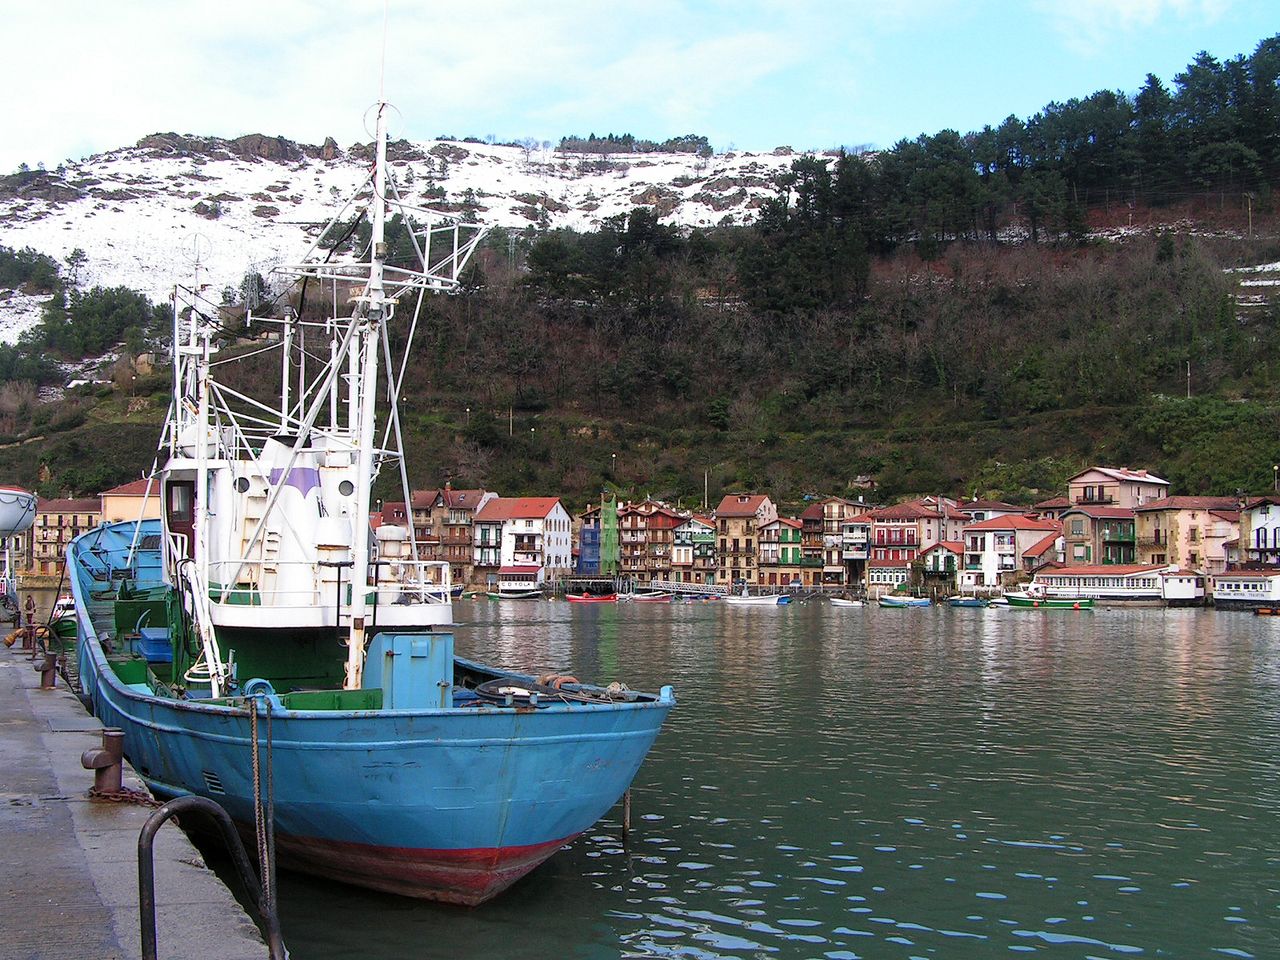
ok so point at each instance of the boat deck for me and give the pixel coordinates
(71, 863)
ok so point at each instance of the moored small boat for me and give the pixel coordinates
(843, 602)
(745, 599)
(591, 597)
(962, 601)
(1033, 601)
(895, 603)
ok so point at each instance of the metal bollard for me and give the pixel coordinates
(106, 761)
(48, 671)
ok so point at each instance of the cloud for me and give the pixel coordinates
(1085, 26)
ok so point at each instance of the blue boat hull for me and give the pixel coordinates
(450, 804)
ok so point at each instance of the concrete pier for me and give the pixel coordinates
(70, 863)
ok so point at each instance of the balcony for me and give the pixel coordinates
(1110, 535)
(1096, 500)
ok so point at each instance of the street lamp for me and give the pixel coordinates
(468, 416)
(1275, 477)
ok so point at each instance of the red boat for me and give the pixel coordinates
(591, 597)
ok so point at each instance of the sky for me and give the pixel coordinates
(86, 76)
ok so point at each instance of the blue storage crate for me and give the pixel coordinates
(154, 645)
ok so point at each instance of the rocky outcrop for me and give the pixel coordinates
(450, 152)
(257, 146)
(37, 185)
(663, 199)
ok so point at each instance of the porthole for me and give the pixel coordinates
(242, 484)
(346, 488)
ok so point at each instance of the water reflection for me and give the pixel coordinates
(898, 783)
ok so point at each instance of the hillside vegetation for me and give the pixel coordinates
(960, 313)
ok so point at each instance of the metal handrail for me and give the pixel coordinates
(267, 916)
(414, 582)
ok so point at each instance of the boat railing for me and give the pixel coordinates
(303, 584)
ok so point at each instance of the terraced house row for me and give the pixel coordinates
(1112, 523)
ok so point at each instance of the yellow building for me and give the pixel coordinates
(1189, 532)
(738, 521)
(126, 502)
(58, 522)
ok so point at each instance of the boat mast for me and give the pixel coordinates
(374, 305)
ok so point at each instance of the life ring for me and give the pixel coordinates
(1076, 605)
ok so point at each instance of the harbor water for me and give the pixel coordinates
(867, 783)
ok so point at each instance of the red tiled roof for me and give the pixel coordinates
(84, 505)
(394, 511)
(740, 505)
(1248, 574)
(972, 505)
(516, 508)
(1015, 522)
(1054, 503)
(461, 499)
(813, 512)
(1043, 547)
(955, 546)
(134, 488)
(1231, 516)
(1190, 503)
(789, 522)
(888, 563)
(422, 499)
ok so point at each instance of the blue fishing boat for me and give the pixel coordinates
(963, 601)
(262, 632)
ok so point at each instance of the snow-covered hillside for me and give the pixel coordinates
(260, 200)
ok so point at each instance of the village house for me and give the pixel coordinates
(942, 565)
(855, 548)
(898, 534)
(646, 535)
(1188, 532)
(995, 550)
(1259, 540)
(693, 551)
(1098, 535)
(1115, 487)
(835, 511)
(426, 508)
(522, 535)
(57, 523)
(131, 501)
(457, 512)
(738, 520)
(781, 554)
